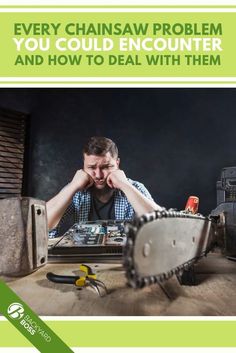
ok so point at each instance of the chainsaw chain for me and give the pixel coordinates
(131, 229)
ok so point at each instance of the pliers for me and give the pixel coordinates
(89, 279)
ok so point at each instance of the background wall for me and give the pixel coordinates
(175, 141)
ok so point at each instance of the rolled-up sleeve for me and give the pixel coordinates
(142, 189)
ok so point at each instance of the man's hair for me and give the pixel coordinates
(99, 146)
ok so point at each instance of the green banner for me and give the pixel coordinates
(111, 44)
(28, 323)
(133, 333)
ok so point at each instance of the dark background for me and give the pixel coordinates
(175, 141)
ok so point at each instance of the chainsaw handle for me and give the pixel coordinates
(62, 279)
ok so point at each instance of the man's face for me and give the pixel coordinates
(99, 167)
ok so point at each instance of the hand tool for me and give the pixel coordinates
(88, 279)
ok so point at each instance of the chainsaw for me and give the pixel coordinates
(164, 243)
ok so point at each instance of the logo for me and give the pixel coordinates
(15, 311)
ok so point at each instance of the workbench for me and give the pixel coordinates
(215, 293)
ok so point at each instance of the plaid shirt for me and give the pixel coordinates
(79, 208)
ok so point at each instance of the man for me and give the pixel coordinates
(98, 191)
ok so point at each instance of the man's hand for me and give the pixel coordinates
(117, 179)
(81, 180)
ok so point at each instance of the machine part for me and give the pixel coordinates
(163, 243)
(226, 206)
(220, 233)
(226, 212)
(88, 279)
(226, 186)
(187, 277)
(23, 235)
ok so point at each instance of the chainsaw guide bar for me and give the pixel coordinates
(163, 243)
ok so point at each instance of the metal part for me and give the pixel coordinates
(98, 286)
(163, 243)
(23, 235)
(187, 277)
(39, 229)
(225, 215)
(226, 205)
(226, 186)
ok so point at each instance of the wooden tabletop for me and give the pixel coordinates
(215, 293)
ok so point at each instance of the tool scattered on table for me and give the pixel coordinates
(88, 279)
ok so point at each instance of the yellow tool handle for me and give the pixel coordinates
(80, 282)
(88, 271)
